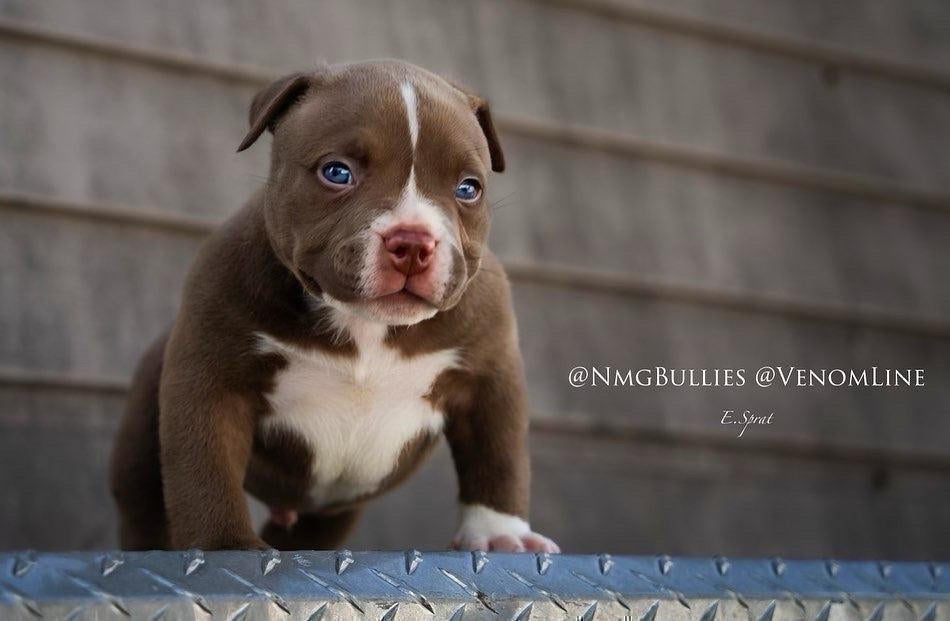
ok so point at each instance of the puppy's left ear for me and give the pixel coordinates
(483, 114)
(272, 102)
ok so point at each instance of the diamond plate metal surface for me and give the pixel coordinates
(461, 586)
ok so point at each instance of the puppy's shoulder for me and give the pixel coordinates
(234, 282)
(238, 240)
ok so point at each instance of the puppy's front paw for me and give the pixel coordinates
(529, 542)
(485, 529)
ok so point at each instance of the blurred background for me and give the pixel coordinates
(690, 184)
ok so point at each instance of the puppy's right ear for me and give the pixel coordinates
(272, 102)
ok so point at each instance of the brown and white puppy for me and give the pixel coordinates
(334, 327)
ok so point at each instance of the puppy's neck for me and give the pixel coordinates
(347, 325)
(263, 289)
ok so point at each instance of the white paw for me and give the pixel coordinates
(485, 529)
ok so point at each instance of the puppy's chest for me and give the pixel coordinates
(354, 414)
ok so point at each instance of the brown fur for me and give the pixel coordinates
(190, 443)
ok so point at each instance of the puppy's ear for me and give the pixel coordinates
(483, 114)
(271, 102)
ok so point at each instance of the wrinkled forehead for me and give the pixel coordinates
(390, 113)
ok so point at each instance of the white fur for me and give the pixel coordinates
(483, 528)
(408, 92)
(354, 413)
(480, 522)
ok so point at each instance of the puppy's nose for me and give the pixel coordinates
(410, 250)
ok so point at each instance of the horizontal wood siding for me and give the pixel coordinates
(689, 185)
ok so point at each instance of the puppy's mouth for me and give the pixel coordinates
(401, 298)
(399, 307)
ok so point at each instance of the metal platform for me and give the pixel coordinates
(457, 586)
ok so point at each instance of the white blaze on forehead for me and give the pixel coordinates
(412, 113)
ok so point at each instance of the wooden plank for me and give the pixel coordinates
(795, 115)
(593, 211)
(597, 497)
(917, 33)
(869, 316)
(54, 490)
(562, 329)
(626, 145)
(84, 298)
(79, 128)
(591, 495)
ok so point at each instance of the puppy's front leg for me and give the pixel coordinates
(205, 446)
(488, 439)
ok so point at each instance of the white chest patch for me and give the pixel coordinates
(354, 413)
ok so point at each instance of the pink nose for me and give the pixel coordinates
(410, 250)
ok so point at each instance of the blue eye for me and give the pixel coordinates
(468, 190)
(337, 173)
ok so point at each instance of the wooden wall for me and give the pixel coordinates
(691, 184)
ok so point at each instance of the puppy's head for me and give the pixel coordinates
(376, 196)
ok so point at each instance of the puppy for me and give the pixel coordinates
(332, 329)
